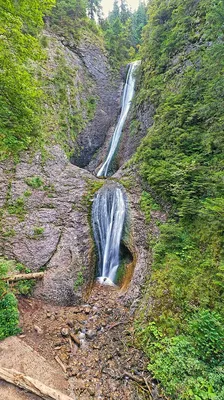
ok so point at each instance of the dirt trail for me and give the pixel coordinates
(93, 344)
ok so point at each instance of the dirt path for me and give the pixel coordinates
(93, 343)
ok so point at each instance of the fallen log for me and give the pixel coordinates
(31, 385)
(21, 277)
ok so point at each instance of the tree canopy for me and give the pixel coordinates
(20, 21)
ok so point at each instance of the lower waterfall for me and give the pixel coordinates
(108, 215)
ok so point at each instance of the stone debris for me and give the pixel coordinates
(94, 349)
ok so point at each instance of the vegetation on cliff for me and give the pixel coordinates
(123, 31)
(20, 93)
(181, 159)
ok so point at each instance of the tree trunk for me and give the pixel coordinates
(21, 277)
(31, 385)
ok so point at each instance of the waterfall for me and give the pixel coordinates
(108, 215)
(109, 206)
(128, 94)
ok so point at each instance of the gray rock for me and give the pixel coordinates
(63, 245)
(90, 334)
(65, 332)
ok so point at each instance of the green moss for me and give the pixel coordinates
(35, 182)
(27, 193)
(38, 230)
(17, 208)
(9, 233)
(79, 280)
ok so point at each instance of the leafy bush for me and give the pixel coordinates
(187, 364)
(9, 315)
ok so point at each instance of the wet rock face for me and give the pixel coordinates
(45, 224)
(139, 121)
(138, 238)
(107, 94)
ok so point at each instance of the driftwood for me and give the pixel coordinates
(63, 367)
(31, 385)
(135, 378)
(21, 277)
(75, 339)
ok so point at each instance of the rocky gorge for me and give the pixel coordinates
(46, 203)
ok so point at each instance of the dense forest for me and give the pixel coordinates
(179, 323)
(181, 159)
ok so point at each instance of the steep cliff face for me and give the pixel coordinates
(81, 94)
(44, 214)
(45, 224)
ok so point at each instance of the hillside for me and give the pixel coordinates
(181, 163)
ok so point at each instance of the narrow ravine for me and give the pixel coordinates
(110, 204)
(91, 344)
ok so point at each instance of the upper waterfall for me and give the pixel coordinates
(126, 104)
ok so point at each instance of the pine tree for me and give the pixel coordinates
(125, 12)
(94, 7)
(115, 13)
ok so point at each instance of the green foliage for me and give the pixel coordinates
(79, 280)
(92, 188)
(181, 159)
(147, 205)
(9, 315)
(17, 208)
(20, 94)
(38, 230)
(123, 30)
(188, 365)
(9, 233)
(70, 17)
(25, 286)
(27, 193)
(91, 107)
(35, 182)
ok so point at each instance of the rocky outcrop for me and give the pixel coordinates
(107, 93)
(45, 223)
(138, 240)
(137, 125)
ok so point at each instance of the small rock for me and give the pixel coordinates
(82, 335)
(38, 330)
(65, 332)
(90, 334)
(70, 324)
(48, 314)
(76, 310)
(87, 310)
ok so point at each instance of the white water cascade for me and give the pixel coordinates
(109, 206)
(126, 104)
(108, 214)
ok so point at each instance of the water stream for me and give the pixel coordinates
(109, 206)
(127, 97)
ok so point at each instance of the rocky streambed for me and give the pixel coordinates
(93, 345)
